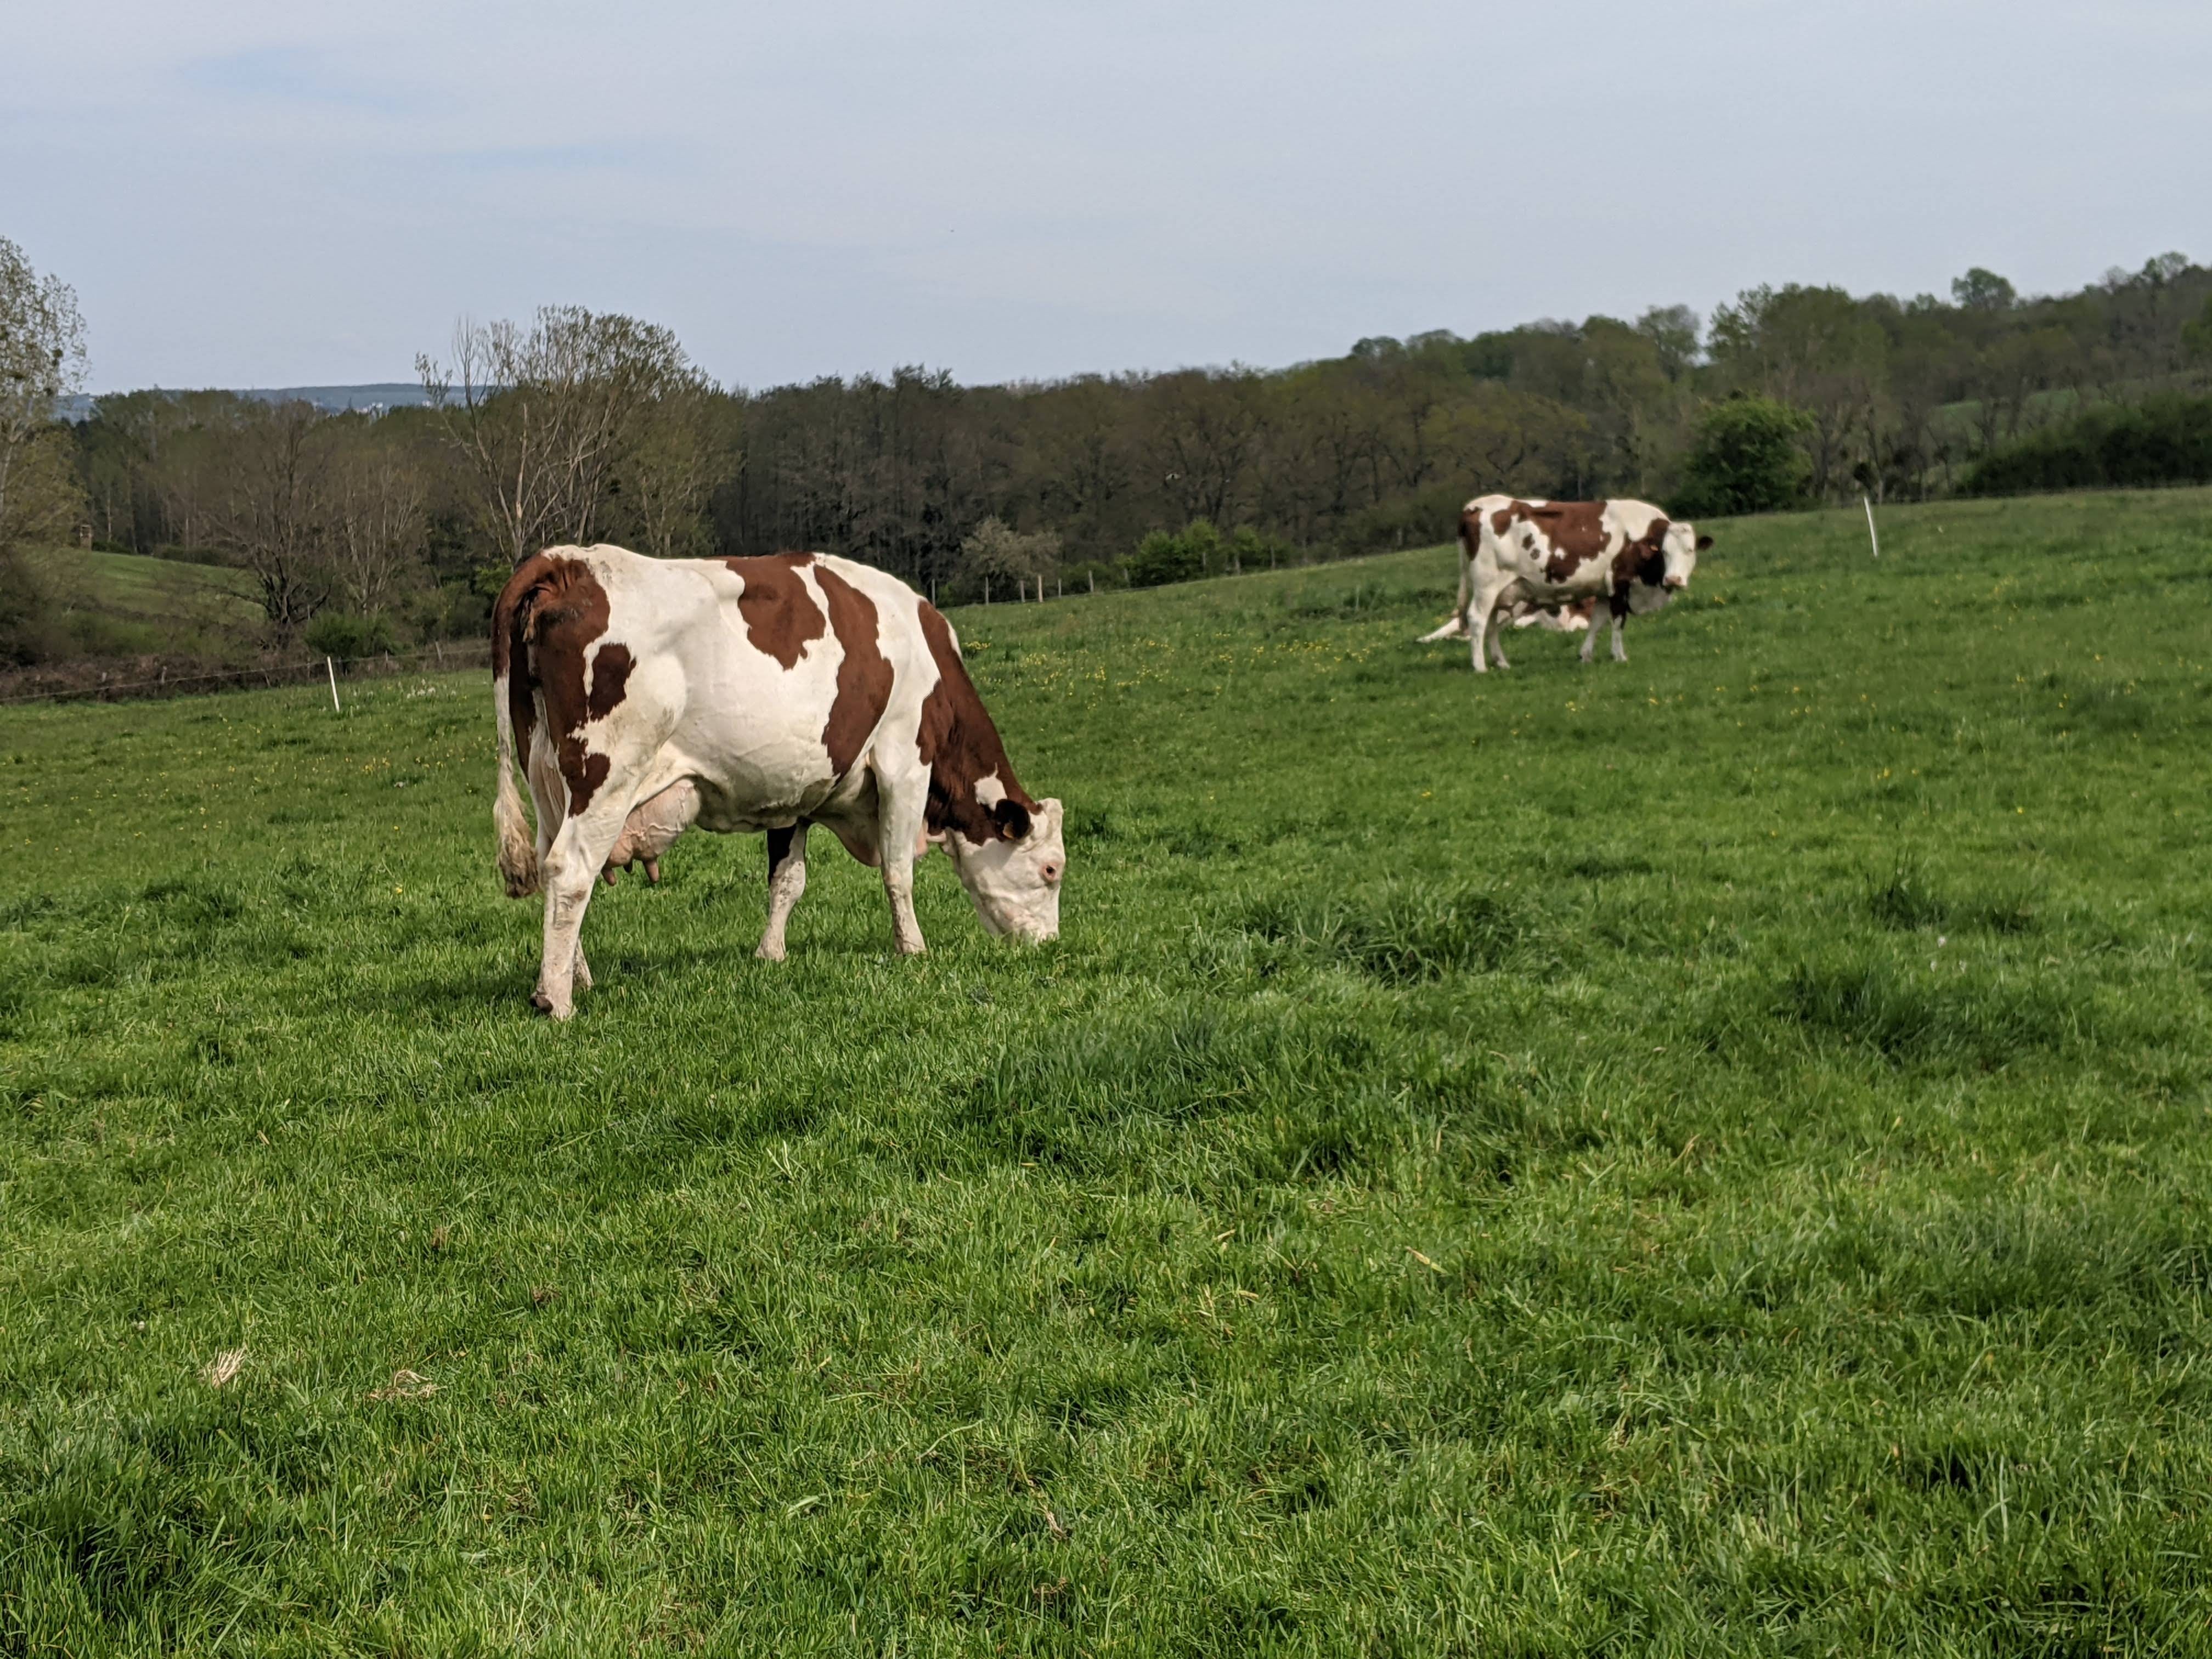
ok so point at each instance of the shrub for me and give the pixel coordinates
(997, 555)
(1094, 573)
(1254, 550)
(1178, 556)
(1746, 459)
(334, 634)
(2166, 439)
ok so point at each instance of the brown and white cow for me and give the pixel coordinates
(744, 695)
(1549, 553)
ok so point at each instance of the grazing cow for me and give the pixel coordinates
(644, 696)
(1551, 553)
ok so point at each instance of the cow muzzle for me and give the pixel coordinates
(1673, 583)
(1026, 930)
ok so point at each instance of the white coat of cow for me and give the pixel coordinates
(644, 696)
(1553, 553)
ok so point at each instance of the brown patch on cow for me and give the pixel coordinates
(1574, 532)
(864, 674)
(961, 746)
(610, 666)
(1643, 560)
(545, 623)
(781, 616)
(1470, 530)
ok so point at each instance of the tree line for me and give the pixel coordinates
(578, 425)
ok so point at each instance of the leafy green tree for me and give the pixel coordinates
(2197, 336)
(1626, 387)
(1819, 350)
(41, 355)
(1747, 458)
(1676, 334)
(1983, 290)
(997, 555)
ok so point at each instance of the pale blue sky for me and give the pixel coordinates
(265, 193)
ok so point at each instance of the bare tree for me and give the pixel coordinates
(545, 415)
(685, 444)
(41, 355)
(273, 510)
(379, 524)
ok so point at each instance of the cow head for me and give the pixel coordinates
(1014, 877)
(1683, 544)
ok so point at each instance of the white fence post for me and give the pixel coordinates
(331, 668)
(1869, 504)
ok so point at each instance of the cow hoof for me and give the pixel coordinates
(768, 952)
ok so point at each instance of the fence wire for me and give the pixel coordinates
(247, 677)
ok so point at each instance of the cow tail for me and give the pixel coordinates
(1466, 546)
(518, 845)
(510, 656)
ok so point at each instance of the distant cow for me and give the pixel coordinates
(1552, 553)
(761, 694)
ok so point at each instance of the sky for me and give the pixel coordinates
(260, 193)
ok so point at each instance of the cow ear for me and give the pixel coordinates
(1704, 542)
(1012, 820)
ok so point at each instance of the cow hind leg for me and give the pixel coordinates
(1483, 622)
(1484, 625)
(1619, 628)
(787, 880)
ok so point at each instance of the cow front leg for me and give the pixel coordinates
(1619, 627)
(787, 880)
(898, 840)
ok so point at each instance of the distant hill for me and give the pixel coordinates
(371, 398)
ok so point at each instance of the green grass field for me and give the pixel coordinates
(124, 603)
(1702, 1157)
(138, 585)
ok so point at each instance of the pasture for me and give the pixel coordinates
(127, 602)
(1708, 1156)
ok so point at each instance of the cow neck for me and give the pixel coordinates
(960, 744)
